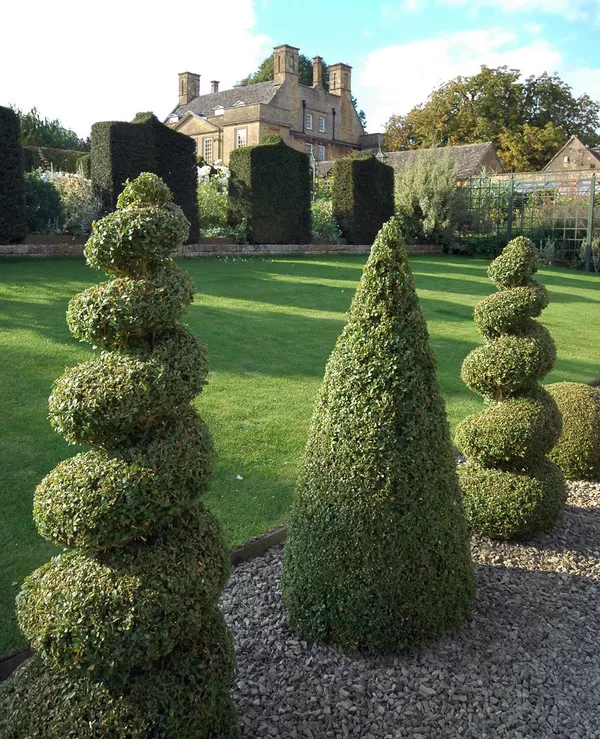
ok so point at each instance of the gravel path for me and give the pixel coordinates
(526, 664)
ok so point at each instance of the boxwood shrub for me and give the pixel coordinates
(129, 637)
(12, 182)
(269, 190)
(578, 450)
(511, 490)
(122, 151)
(378, 554)
(363, 196)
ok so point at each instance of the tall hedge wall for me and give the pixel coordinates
(122, 151)
(61, 160)
(269, 187)
(363, 197)
(12, 181)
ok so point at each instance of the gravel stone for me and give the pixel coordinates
(525, 664)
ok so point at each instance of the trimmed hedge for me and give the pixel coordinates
(378, 554)
(269, 189)
(363, 196)
(12, 181)
(511, 490)
(61, 160)
(122, 151)
(578, 450)
(127, 628)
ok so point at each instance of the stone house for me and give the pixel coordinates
(308, 118)
(574, 156)
(471, 159)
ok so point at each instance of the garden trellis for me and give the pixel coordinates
(557, 211)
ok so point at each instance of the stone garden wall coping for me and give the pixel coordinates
(207, 249)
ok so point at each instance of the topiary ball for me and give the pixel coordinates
(578, 450)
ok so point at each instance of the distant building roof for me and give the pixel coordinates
(469, 158)
(204, 105)
(579, 157)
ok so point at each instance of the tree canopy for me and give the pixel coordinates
(38, 131)
(528, 120)
(266, 72)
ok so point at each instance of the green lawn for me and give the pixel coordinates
(269, 325)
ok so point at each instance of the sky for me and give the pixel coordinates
(81, 64)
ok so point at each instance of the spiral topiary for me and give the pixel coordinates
(129, 638)
(511, 490)
(378, 554)
(577, 452)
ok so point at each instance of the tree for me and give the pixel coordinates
(496, 105)
(378, 554)
(511, 490)
(125, 622)
(530, 147)
(38, 131)
(266, 73)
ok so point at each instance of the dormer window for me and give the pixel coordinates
(219, 110)
(173, 118)
(308, 122)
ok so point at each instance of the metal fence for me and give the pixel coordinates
(558, 212)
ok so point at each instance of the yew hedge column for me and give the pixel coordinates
(510, 488)
(129, 638)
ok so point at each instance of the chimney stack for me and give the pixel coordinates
(317, 71)
(189, 87)
(339, 78)
(285, 61)
(214, 86)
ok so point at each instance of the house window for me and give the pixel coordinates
(240, 137)
(321, 124)
(566, 161)
(208, 150)
(308, 121)
(321, 153)
(309, 149)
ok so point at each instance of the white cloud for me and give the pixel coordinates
(83, 64)
(396, 78)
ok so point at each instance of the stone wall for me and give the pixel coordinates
(212, 249)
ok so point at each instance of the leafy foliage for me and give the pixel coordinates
(577, 452)
(378, 555)
(127, 624)
(523, 118)
(38, 131)
(269, 191)
(511, 490)
(427, 199)
(324, 225)
(12, 183)
(43, 205)
(213, 195)
(363, 196)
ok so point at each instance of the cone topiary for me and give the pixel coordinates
(577, 452)
(378, 556)
(129, 638)
(511, 490)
